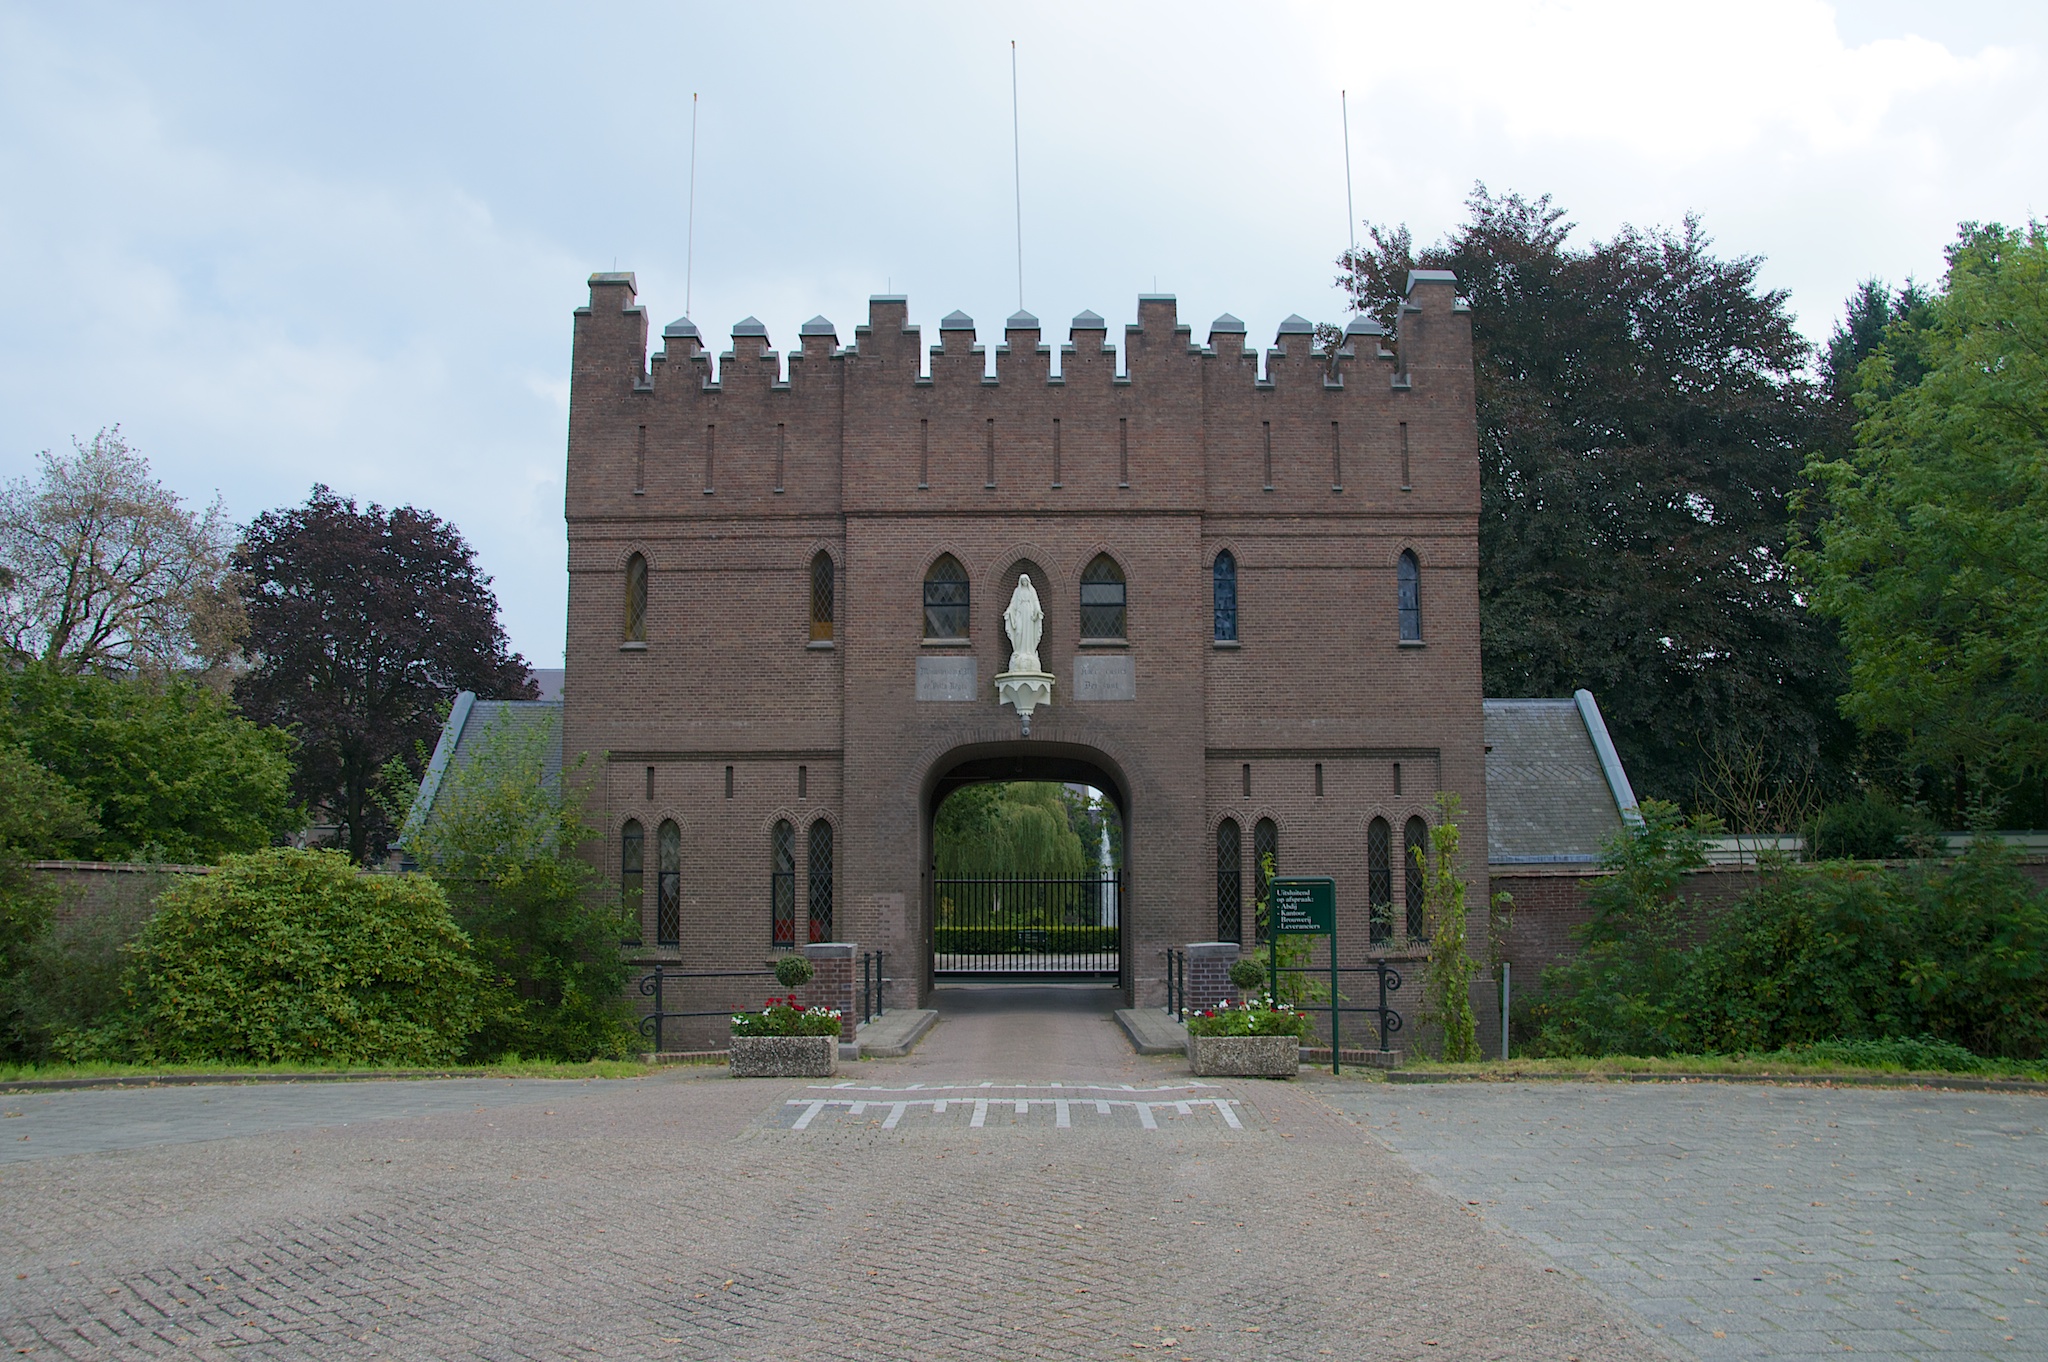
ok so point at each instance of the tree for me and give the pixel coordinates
(103, 568)
(362, 626)
(501, 840)
(1016, 830)
(1930, 553)
(1642, 420)
(164, 768)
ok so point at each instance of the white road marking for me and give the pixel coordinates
(1063, 1109)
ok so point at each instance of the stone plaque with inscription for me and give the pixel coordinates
(946, 678)
(1111, 676)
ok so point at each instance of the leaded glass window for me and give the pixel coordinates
(1229, 882)
(1410, 579)
(1414, 847)
(945, 599)
(782, 886)
(1225, 592)
(821, 881)
(635, 630)
(821, 597)
(668, 915)
(1265, 865)
(632, 858)
(1102, 599)
(1379, 879)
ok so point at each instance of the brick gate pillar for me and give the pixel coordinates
(1209, 965)
(832, 985)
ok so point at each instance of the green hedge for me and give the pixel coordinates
(1024, 940)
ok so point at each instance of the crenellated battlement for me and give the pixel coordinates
(891, 418)
(888, 340)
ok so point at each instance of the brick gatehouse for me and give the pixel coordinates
(785, 612)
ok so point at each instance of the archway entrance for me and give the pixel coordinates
(1025, 866)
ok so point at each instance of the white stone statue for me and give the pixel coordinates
(1025, 621)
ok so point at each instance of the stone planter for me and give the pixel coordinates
(1244, 1056)
(784, 1056)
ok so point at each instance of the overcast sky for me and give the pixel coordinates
(281, 244)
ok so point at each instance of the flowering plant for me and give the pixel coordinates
(783, 1017)
(1260, 1016)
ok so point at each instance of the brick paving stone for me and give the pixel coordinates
(680, 1216)
(1758, 1221)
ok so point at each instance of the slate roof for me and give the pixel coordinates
(1552, 795)
(469, 721)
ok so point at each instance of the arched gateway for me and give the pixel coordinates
(1252, 614)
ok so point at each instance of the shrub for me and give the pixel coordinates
(1024, 940)
(1447, 991)
(1870, 827)
(1953, 953)
(295, 956)
(1260, 1017)
(793, 971)
(1247, 974)
(1612, 998)
(70, 980)
(501, 842)
(782, 1017)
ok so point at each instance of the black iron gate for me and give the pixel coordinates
(1028, 926)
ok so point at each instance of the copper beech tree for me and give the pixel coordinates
(363, 623)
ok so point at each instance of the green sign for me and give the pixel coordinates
(1304, 906)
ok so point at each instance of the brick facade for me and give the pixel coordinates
(730, 717)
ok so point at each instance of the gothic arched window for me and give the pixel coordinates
(1102, 599)
(821, 597)
(1379, 880)
(632, 859)
(1409, 576)
(1265, 865)
(782, 886)
(1229, 882)
(820, 867)
(1225, 593)
(635, 629)
(945, 599)
(1414, 846)
(668, 916)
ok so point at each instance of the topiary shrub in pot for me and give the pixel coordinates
(785, 1039)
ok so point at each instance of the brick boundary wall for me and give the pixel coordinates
(93, 887)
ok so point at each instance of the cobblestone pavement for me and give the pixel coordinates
(686, 1216)
(1745, 1221)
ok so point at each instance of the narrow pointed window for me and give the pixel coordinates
(1225, 591)
(1414, 850)
(1102, 599)
(1229, 882)
(668, 925)
(1379, 880)
(1409, 575)
(945, 599)
(821, 881)
(1265, 865)
(782, 886)
(632, 858)
(821, 598)
(636, 600)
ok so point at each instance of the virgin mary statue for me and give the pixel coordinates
(1025, 621)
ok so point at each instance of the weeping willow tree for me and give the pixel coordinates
(1020, 830)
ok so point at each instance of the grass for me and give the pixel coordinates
(505, 1068)
(1812, 1061)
